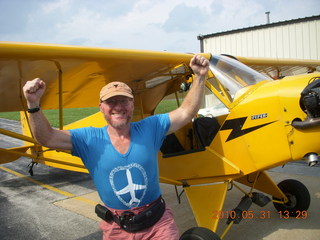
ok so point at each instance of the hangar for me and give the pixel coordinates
(297, 38)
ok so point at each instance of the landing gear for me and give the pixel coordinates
(298, 196)
(199, 233)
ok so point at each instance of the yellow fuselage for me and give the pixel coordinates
(257, 134)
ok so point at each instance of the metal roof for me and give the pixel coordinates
(298, 20)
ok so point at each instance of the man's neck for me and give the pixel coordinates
(120, 138)
(121, 132)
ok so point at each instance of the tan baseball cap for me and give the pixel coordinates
(115, 89)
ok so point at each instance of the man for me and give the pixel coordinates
(122, 156)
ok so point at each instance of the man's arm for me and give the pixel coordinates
(40, 126)
(191, 104)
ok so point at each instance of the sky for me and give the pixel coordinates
(160, 25)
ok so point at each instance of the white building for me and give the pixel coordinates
(297, 38)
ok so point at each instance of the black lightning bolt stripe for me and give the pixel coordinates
(236, 126)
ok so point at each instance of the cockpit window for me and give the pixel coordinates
(228, 79)
(234, 75)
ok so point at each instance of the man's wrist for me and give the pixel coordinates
(33, 104)
(34, 110)
(201, 79)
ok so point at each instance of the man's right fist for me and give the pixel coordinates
(33, 91)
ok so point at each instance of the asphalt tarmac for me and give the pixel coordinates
(57, 204)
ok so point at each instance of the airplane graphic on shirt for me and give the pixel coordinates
(131, 188)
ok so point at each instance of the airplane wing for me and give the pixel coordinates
(278, 68)
(74, 75)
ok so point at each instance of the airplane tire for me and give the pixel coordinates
(199, 233)
(298, 195)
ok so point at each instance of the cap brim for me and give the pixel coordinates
(107, 96)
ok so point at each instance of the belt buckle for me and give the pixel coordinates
(126, 219)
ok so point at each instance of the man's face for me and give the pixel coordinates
(118, 111)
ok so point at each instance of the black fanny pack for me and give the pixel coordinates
(131, 222)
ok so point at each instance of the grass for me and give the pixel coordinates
(10, 115)
(166, 106)
(74, 114)
(69, 115)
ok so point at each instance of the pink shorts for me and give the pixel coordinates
(164, 229)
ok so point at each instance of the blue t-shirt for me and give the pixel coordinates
(128, 180)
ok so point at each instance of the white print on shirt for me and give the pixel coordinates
(131, 187)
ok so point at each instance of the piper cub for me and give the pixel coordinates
(258, 114)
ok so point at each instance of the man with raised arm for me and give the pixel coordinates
(122, 156)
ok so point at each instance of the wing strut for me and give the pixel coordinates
(60, 96)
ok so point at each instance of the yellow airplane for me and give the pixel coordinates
(250, 122)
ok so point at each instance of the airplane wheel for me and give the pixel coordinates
(199, 233)
(298, 195)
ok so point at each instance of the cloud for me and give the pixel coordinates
(171, 25)
(108, 8)
(14, 15)
(185, 18)
(59, 5)
(228, 14)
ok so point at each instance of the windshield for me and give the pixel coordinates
(228, 79)
(233, 75)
